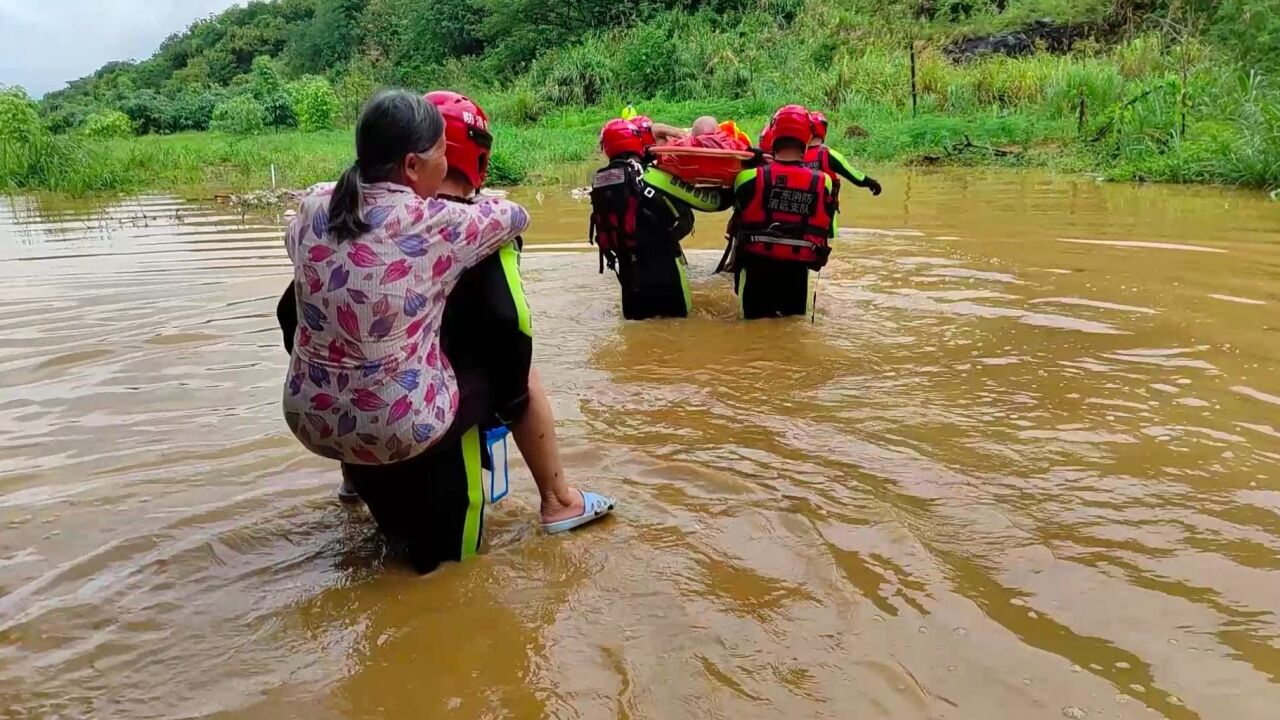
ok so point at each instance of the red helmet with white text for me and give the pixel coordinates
(466, 134)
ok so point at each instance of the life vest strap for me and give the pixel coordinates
(766, 180)
(776, 240)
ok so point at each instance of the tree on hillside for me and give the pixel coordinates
(109, 124)
(315, 103)
(266, 35)
(330, 39)
(19, 121)
(517, 31)
(520, 29)
(221, 47)
(269, 90)
(448, 28)
(149, 110)
(411, 36)
(239, 116)
(192, 108)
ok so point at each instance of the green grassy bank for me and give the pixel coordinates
(206, 163)
(1011, 112)
(1152, 90)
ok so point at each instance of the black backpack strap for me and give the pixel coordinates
(766, 189)
(723, 265)
(818, 177)
(591, 239)
(731, 238)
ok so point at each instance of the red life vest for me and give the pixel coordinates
(818, 158)
(790, 216)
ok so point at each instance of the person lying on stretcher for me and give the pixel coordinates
(711, 134)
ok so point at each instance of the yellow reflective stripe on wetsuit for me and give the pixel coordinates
(835, 213)
(844, 169)
(701, 199)
(475, 493)
(682, 267)
(742, 293)
(510, 258)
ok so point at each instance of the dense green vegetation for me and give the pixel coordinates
(1171, 90)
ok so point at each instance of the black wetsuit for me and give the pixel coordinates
(655, 277)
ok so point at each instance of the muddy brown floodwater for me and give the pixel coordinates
(1026, 464)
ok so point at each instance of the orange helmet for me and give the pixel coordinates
(622, 137)
(792, 122)
(466, 134)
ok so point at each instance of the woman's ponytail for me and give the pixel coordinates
(393, 124)
(346, 220)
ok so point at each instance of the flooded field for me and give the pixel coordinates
(1025, 464)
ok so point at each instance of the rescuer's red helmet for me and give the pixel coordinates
(466, 134)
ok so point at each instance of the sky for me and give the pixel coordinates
(45, 43)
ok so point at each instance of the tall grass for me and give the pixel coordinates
(208, 163)
(1050, 107)
(60, 164)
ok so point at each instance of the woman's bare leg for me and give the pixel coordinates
(535, 435)
(347, 491)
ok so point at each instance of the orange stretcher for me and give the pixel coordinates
(701, 166)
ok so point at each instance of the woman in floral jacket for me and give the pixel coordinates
(375, 256)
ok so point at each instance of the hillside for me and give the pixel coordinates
(1178, 90)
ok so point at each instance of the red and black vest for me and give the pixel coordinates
(789, 217)
(616, 192)
(628, 215)
(818, 158)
